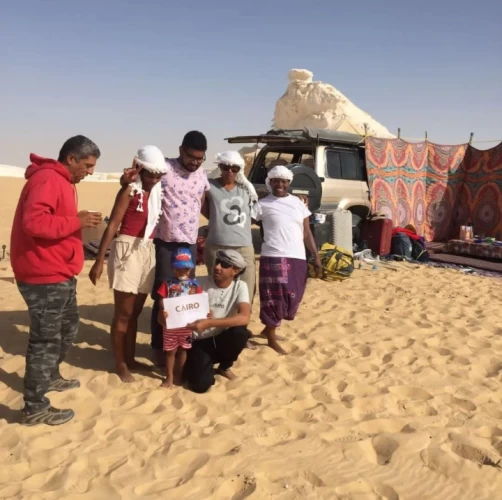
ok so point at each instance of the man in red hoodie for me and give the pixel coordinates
(46, 255)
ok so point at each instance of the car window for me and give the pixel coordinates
(274, 158)
(334, 166)
(307, 160)
(349, 166)
(342, 165)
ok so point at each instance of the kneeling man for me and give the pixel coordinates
(222, 338)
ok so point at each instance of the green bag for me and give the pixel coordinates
(337, 263)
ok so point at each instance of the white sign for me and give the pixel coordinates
(186, 309)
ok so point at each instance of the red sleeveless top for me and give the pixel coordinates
(134, 222)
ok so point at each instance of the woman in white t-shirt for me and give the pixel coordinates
(283, 263)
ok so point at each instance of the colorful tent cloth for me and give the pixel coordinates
(436, 188)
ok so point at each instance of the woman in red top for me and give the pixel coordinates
(131, 264)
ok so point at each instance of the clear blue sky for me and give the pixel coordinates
(128, 73)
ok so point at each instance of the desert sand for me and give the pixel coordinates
(392, 390)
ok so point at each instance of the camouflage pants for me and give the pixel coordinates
(54, 325)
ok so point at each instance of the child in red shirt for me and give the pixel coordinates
(174, 338)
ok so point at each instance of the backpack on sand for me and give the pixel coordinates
(337, 263)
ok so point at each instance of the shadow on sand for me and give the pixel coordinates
(91, 350)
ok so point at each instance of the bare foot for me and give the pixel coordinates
(168, 384)
(263, 335)
(229, 374)
(124, 374)
(277, 348)
(139, 367)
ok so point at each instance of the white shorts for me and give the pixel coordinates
(131, 265)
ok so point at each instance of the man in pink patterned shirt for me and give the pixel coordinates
(184, 188)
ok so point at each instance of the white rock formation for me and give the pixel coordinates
(319, 105)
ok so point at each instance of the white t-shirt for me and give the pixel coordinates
(223, 301)
(282, 220)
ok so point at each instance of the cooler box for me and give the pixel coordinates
(342, 229)
(377, 234)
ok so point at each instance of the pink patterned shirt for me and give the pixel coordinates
(181, 203)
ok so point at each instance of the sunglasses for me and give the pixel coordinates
(222, 263)
(228, 168)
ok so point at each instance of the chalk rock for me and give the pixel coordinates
(311, 104)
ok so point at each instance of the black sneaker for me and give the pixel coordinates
(49, 416)
(61, 384)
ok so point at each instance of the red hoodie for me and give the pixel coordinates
(46, 240)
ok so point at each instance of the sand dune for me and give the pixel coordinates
(392, 390)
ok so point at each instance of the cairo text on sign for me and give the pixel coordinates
(187, 307)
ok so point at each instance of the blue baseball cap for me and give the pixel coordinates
(181, 258)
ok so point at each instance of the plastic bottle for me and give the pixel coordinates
(361, 261)
(376, 264)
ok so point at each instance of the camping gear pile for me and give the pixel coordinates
(337, 263)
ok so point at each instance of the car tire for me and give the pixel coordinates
(305, 179)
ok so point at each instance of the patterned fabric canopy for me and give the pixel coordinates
(436, 188)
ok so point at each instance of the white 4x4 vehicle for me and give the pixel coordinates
(328, 166)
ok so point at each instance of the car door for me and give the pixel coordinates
(343, 178)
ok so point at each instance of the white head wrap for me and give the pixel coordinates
(152, 159)
(234, 158)
(278, 172)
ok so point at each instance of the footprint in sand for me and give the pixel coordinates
(327, 365)
(321, 394)
(314, 377)
(79, 477)
(464, 404)
(407, 392)
(363, 489)
(256, 403)
(439, 461)
(493, 410)
(247, 489)
(291, 373)
(349, 438)
(196, 465)
(50, 441)
(384, 447)
(177, 402)
(461, 360)
(476, 455)
(387, 358)
(313, 479)
(341, 386)
(273, 436)
(179, 431)
(301, 416)
(363, 350)
(231, 420)
(457, 420)
(494, 369)
(200, 412)
(478, 344)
